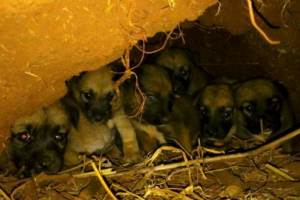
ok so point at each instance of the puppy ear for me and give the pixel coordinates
(71, 109)
(196, 100)
(117, 68)
(281, 88)
(73, 82)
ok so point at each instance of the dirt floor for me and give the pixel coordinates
(170, 175)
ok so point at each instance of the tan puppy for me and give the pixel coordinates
(263, 111)
(215, 104)
(88, 138)
(93, 95)
(38, 141)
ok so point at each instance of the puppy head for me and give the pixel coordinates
(93, 93)
(260, 104)
(38, 141)
(156, 86)
(216, 107)
(179, 66)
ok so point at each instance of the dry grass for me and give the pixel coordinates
(169, 173)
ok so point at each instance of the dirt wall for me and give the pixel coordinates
(44, 42)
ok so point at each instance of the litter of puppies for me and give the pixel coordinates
(156, 137)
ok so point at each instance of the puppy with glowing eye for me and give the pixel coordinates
(38, 141)
(215, 104)
(185, 76)
(263, 110)
(100, 113)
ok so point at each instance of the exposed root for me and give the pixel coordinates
(219, 8)
(167, 193)
(279, 172)
(172, 4)
(102, 181)
(284, 7)
(127, 193)
(80, 166)
(4, 195)
(254, 24)
(172, 149)
(156, 50)
(139, 95)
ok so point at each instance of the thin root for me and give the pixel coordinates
(102, 181)
(4, 195)
(279, 172)
(253, 22)
(127, 192)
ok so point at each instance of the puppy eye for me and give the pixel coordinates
(151, 98)
(59, 136)
(110, 95)
(183, 71)
(275, 103)
(24, 136)
(227, 113)
(203, 110)
(86, 95)
(248, 108)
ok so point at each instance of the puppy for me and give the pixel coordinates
(183, 126)
(263, 110)
(92, 95)
(156, 87)
(38, 141)
(157, 116)
(185, 76)
(215, 105)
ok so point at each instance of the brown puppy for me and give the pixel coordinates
(38, 141)
(93, 95)
(263, 110)
(157, 115)
(155, 108)
(215, 104)
(185, 76)
(183, 127)
(155, 84)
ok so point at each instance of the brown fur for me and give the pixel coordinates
(176, 60)
(260, 92)
(101, 84)
(88, 138)
(47, 130)
(216, 110)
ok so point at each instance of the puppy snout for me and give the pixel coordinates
(42, 165)
(211, 132)
(214, 142)
(164, 119)
(97, 116)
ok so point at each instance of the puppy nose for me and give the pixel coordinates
(41, 166)
(209, 142)
(164, 119)
(97, 117)
(45, 163)
(212, 132)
